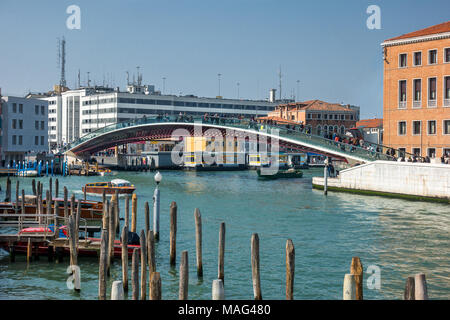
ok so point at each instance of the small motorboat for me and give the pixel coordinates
(120, 185)
(282, 173)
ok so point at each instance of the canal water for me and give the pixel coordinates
(397, 237)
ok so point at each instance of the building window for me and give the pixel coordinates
(42, 140)
(417, 58)
(447, 55)
(402, 128)
(308, 116)
(36, 109)
(14, 123)
(402, 60)
(447, 91)
(402, 94)
(20, 140)
(342, 130)
(417, 84)
(432, 92)
(319, 130)
(417, 125)
(446, 126)
(431, 127)
(431, 152)
(416, 151)
(432, 56)
(42, 125)
(20, 124)
(14, 108)
(14, 139)
(36, 125)
(43, 110)
(402, 152)
(325, 116)
(36, 140)
(20, 108)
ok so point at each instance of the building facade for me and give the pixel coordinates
(416, 85)
(372, 130)
(23, 128)
(75, 113)
(318, 117)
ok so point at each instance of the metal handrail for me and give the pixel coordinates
(247, 124)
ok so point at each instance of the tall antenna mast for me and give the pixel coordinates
(79, 80)
(88, 80)
(280, 76)
(128, 78)
(62, 81)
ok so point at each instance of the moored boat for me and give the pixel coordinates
(120, 185)
(289, 173)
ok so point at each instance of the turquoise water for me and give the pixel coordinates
(400, 237)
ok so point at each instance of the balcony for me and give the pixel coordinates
(417, 104)
(432, 104)
(446, 102)
(402, 104)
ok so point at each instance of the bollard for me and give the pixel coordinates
(117, 291)
(218, 292)
(184, 276)
(173, 233)
(198, 242)
(349, 292)
(127, 211)
(290, 269)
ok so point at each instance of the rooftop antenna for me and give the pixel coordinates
(164, 84)
(139, 77)
(218, 75)
(280, 75)
(79, 81)
(62, 81)
(88, 80)
(128, 78)
(298, 89)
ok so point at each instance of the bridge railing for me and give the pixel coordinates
(291, 132)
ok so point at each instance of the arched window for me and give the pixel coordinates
(342, 130)
(325, 128)
(336, 129)
(319, 130)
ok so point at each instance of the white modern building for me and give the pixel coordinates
(23, 128)
(74, 113)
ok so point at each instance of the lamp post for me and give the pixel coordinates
(158, 178)
(325, 177)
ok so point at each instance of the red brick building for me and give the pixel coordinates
(318, 116)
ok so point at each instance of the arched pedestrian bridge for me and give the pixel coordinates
(154, 128)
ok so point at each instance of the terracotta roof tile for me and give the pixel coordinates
(439, 28)
(370, 123)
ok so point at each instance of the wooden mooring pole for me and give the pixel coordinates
(127, 211)
(135, 274)
(151, 252)
(256, 278)
(356, 269)
(155, 286)
(133, 212)
(184, 276)
(143, 265)
(124, 239)
(349, 292)
(409, 289)
(221, 267)
(173, 233)
(290, 269)
(420, 287)
(103, 265)
(56, 188)
(198, 242)
(117, 292)
(147, 218)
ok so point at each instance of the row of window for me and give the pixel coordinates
(14, 108)
(417, 127)
(36, 110)
(417, 58)
(194, 104)
(15, 122)
(432, 92)
(431, 152)
(99, 101)
(329, 116)
(103, 120)
(18, 140)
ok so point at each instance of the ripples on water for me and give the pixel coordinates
(401, 237)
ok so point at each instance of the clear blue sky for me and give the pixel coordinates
(324, 44)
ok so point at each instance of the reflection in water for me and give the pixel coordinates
(401, 237)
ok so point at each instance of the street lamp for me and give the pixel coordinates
(158, 178)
